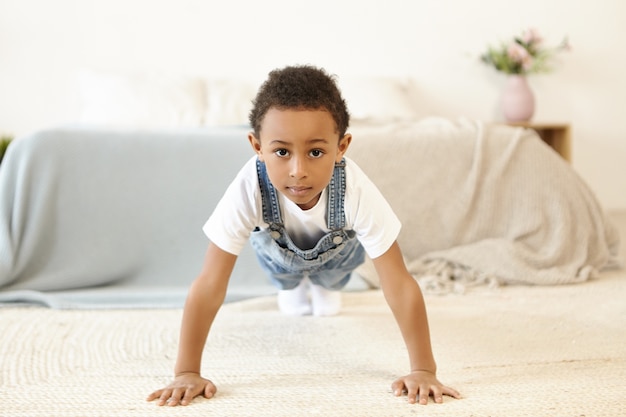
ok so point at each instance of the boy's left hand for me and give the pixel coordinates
(421, 384)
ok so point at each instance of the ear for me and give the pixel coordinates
(256, 145)
(344, 143)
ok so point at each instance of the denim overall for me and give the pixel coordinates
(333, 258)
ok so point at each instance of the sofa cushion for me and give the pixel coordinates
(140, 100)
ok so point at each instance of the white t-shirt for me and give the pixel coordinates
(240, 211)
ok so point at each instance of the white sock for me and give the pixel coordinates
(295, 302)
(325, 302)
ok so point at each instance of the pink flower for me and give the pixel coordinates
(531, 37)
(520, 55)
(517, 52)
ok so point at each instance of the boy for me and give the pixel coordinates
(311, 214)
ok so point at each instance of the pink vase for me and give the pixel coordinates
(518, 101)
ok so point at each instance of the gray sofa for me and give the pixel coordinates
(114, 217)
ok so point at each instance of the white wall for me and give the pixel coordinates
(43, 44)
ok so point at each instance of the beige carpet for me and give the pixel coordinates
(512, 351)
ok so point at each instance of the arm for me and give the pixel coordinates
(206, 295)
(405, 299)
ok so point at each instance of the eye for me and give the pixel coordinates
(281, 152)
(316, 153)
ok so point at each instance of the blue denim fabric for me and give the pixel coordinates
(329, 263)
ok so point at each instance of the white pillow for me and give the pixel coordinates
(140, 100)
(380, 99)
(229, 101)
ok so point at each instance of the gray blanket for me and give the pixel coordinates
(114, 218)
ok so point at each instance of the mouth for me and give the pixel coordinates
(298, 190)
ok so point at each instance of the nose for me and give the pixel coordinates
(298, 168)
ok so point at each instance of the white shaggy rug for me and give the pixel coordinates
(511, 351)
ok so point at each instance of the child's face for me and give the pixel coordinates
(300, 149)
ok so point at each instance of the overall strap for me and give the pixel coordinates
(335, 215)
(271, 209)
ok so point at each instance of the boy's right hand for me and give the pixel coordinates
(183, 389)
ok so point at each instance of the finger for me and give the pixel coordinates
(189, 395)
(174, 399)
(437, 394)
(412, 395)
(154, 395)
(423, 394)
(165, 395)
(397, 387)
(451, 392)
(209, 390)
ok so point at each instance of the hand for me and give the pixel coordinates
(183, 389)
(420, 384)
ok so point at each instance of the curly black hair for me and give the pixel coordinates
(299, 87)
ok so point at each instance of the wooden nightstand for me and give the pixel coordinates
(556, 135)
